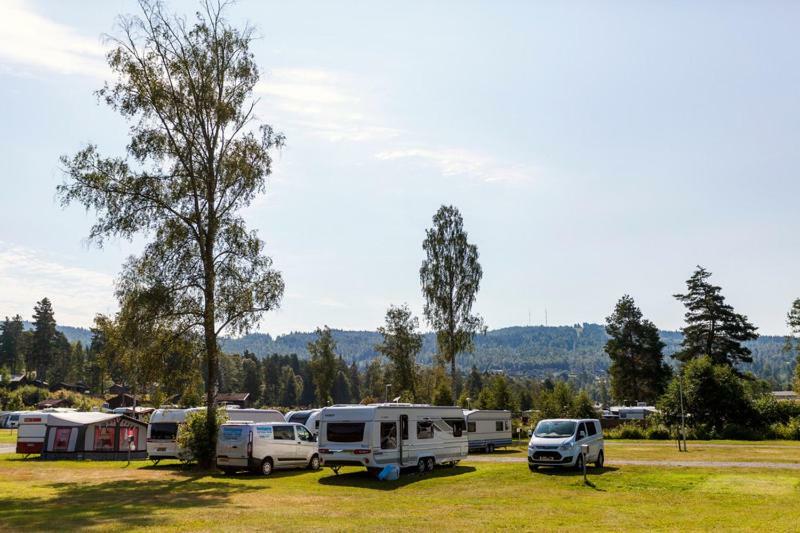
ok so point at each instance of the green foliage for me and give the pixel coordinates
(12, 344)
(497, 395)
(583, 407)
(443, 394)
(789, 430)
(658, 433)
(626, 431)
(450, 276)
(712, 328)
(638, 371)
(193, 436)
(401, 344)
(792, 343)
(43, 342)
(323, 365)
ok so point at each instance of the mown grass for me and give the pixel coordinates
(8, 436)
(43, 495)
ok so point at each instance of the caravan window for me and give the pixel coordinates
(498, 425)
(471, 427)
(425, 430)
(457, 424)
(163, 430)
(104, 439)
(61, 442)
(124, 434)
(388, 435)
(345, 431)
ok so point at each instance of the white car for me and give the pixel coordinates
(558, 442)
(265, 446)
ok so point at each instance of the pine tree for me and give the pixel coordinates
(713, 328)
(252, 376)
(474, 383)
(340, 392)
(638, 371)
(401, 344)
(43, 342)
(355, 383)
(11, 344)
(323, 364)
(793, 320)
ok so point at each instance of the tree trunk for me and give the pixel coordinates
(211, 355)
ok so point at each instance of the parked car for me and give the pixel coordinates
(558, 442)
(265, 446)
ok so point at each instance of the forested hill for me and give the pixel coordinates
(72, 334)
(518, 350)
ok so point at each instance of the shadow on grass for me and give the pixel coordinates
(133, 503)
(571, 472)
(498, 451)
(365, 480)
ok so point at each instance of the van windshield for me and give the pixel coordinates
(550, 429)
(345, 431)
(163, 430)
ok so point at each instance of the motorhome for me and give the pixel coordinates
(377, 435)
(162, 431)
(309, 418)
(488, 429)
(263, 447)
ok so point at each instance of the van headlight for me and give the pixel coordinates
(565, 447)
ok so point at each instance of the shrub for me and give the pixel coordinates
(625, 431)
(789, 430)
(192, 437)
(658, 433)
(741, 432)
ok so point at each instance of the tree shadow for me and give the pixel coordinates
(571, 472)
(132, 502)
(365, 480)
(497, 451)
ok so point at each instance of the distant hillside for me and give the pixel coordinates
(519, 350)
(72, 334)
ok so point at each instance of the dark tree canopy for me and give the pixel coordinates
(793, 321)
(44, 340)
(450, 277)
(401, 344)
(637, 371)
(11, 344)
(713, 328)
(323, 364)
(196, 157)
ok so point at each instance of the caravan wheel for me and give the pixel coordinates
(421, 465)
(490, 448)
(429, 464)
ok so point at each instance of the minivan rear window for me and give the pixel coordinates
(231, 433)
(163, 430)
(345, 431)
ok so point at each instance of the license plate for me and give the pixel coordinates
(546, 459)
(161, 449)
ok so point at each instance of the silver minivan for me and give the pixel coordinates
(262, 447)
(558, 442)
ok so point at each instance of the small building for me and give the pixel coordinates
(116, 388)
(242, 399)
(122, 400)
(73, 387)
(51, 403)
(102, 436)
(20, 380)
(785, 396)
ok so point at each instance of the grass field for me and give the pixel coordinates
(40, 495)
(650, 450)
(8, 436)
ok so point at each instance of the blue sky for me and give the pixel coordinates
(594, 149)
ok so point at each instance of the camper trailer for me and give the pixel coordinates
(377, 435)
(162, 432)
(58, 435)
(488, 429)
(309, 418)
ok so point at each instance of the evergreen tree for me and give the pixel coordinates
(252, 376)
(712, 327)
(323, 364)
(474, 383)
(11, 344)
(450, 276)
(61, 363)
(638, 371)
(499, 394)
(374, 380)
(793, 320)
(583, 406)
(355, 383)
(288, 394)
(340, 392)
(401, 344)
(43, 342)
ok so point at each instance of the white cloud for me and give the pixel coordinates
(27, 275)
(321, 103)
(462, 162)
(31, 42)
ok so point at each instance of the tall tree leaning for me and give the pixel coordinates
(450, 277)
(196, 157)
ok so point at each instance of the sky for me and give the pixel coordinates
(593, 148)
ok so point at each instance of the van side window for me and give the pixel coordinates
(425, 430)
(283, 432)
(388, 435)
(581, 428)
(591, 429)
(303, 434)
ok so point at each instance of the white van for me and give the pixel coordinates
(264, 447)
(488, 429)
(162, 431)
(558, 442)
(309, 418)
(377, 435)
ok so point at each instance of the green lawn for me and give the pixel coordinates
(39, 495)
(8, 436)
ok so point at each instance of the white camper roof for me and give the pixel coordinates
(487, 414)
(79, 419)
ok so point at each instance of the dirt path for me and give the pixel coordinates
(631, 462)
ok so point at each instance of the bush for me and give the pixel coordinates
(193, 437)
(789, 430)
(625, 431)
(658, 433)
(741, 432)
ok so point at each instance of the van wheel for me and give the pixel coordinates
(490, 448)
(600, 460)
(313, 464)
(421, 465)
(266, 467)
(429, 464)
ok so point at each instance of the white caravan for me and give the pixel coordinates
(162, 431)
(367, 435)
(558, 442)
(488, 429)
(264, 447)
(309, 418)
